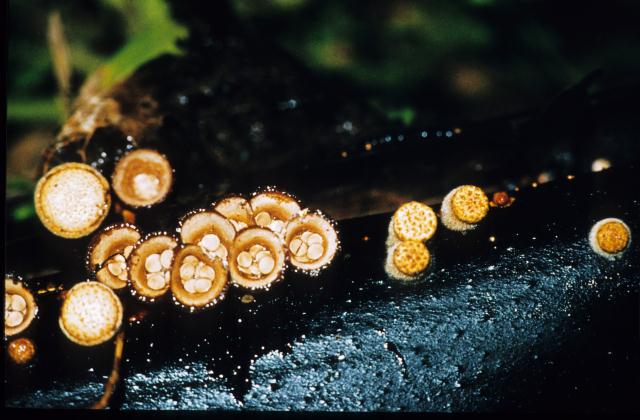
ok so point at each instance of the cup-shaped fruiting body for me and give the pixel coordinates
(91, 313)
(412, 221)
(237, 210)
(406, 260)
(150, 265)
(19, 306)
(72, 200)
(501, 199)
(21, 350)
(464, 207)
(210, 230)
(257, 258)
(108, 252)
(273, 209)
(610, 238)
(196, 279)
(311, 241)
(142, 178)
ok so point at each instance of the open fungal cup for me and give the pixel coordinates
(210, 230)
(610, 238)
(21, 350)
(311, 242)
(196, 279)
(150, 265)
(72, 200)
(273, 209)
(501, 199)
(142, 178)
(464, 207)
(237, 210)
(257, 258)
(412, 221)
(108, 252)
(19, 306)
(406, 260)
(91, 313)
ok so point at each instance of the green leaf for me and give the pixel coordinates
(482, 3)
(406, 115)
(43, 110)
(156, 34)
(21, 189)
(23, 212)
(19, 186)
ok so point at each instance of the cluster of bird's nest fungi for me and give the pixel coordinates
(462, 209)
(248, 242)
(415, 223)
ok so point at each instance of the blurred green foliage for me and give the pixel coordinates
(20, 189)
(152, 33)
(23, 211)
(112, 37)
(18, 186)
(406, 115)
(35, 110)
(464, 58)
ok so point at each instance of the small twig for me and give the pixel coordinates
(114, 377)
(59, 48)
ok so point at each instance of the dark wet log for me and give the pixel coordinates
(516, 314)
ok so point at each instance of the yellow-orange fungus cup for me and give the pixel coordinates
(210, 230)
(197, 280)
(108, 253)
(407, 260)
(413, 221)
(237, 210)
(311, 242)
(150, 265)
(610, 238)
(272, 210)
(91, 313)
(464, 207)
(72, 200)
(19, 306)
(257, 258)
(142, 178)
(21, 350)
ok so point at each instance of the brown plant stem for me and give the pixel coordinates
(114, 377)
(60, 55)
